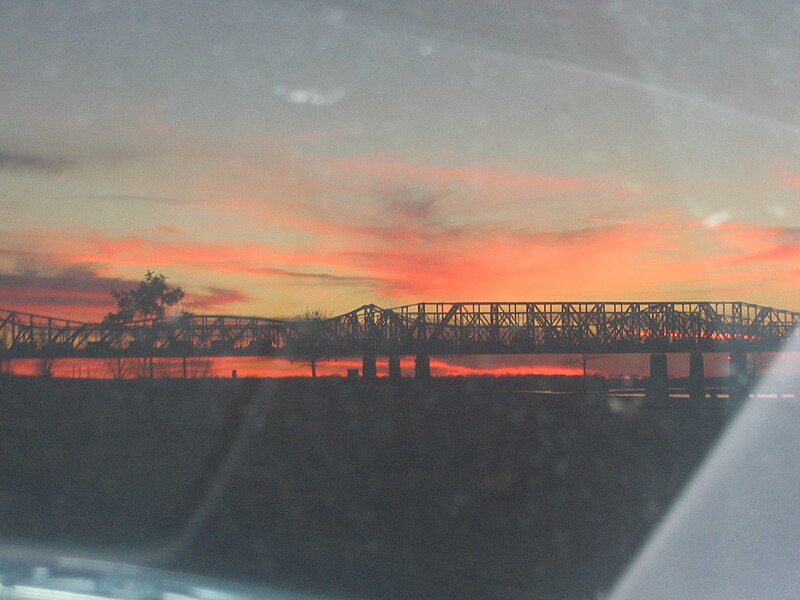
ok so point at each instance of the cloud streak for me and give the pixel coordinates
(33, 163)
(481, 176)
(128, 198)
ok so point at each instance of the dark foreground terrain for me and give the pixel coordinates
(458, 488)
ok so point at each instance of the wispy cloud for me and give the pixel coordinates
(34, 163)
(169, 230)
(128, 198)
(213, 299)
(317, 278)
(305, 136)
(162, 253)
(765, 245)
(480, 175)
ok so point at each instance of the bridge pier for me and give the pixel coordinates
(739, 379)
(697, 380)
(658, 387)
(369, 367)
(394, 367)
(738, 368)
(422, 366)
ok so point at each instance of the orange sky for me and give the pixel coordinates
(445, 366)
(266, 171)
(246, 367)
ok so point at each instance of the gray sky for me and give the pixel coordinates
(295, 153)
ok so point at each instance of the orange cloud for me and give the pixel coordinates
(661, 260)
(486, 263)
(768, 249)
(791, 182)
(214, 299)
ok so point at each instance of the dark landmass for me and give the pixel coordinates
(452, 488)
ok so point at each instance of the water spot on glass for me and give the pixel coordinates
(776, 210)
(716, 219)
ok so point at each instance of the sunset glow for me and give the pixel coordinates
(270, 172)
(252, 367)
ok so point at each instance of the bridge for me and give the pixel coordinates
(423, 330)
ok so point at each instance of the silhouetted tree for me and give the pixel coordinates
(168, 367)
(307, 342)
(200, 367)
(117, 366)
(149, 300)
(45, 366)
(583, 360)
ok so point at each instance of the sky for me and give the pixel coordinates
(273, 157)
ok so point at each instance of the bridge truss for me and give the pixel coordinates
(424, 328)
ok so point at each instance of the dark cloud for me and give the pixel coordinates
(33, 163)
(79, 292)
(417, 205)
(317, 278)
(74, 292)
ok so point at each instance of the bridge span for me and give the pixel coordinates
(422, 330)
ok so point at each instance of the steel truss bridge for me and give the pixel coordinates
(418, 329)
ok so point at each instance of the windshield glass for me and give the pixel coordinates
(385, 299)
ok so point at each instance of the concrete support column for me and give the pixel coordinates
(394, 367)
(422, 366)
(658, 388)
(739, 377)
(370, 369)
(738, 367)
(697, 379)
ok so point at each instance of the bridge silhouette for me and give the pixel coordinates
(424, 330)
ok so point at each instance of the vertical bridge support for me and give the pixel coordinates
(422, 366)
(658, 388)
(394, 367)
(739, 378)
(697, 379)
(369, 367)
